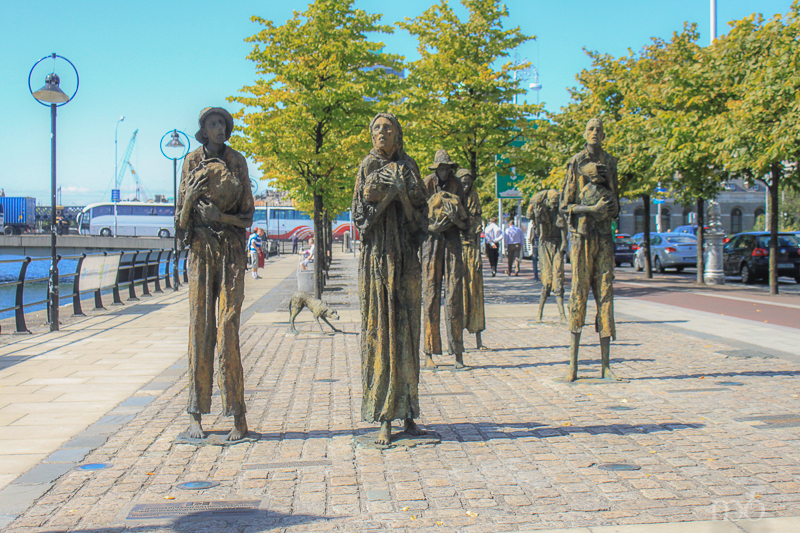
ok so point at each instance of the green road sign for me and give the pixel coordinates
(505, 181)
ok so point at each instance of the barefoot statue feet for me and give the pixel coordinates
(429, 364)
(385, 434)
(411, 428)
(239, 428)
(195, 430)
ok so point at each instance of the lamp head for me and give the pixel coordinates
(51, 92)
(175, 142)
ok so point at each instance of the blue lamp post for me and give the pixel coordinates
(177, 151)
(51, 95)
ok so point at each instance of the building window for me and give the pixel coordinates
(665, 221)
(760, 219)
(736, 220)
(688, 215)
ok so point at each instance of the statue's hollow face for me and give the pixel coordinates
(466, 181)
(214, 128)
(444, 172)
(384, 135)
(594, 133)
(552, 201)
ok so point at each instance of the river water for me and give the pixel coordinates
(37, 290)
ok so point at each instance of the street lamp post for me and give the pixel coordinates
(52, 96)
(177, 148)
(115, 195)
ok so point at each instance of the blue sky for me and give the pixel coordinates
(159, 63)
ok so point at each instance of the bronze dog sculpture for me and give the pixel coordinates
(319, 308)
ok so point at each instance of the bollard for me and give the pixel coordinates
(76, 289)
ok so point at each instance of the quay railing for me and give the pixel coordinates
(98, 273)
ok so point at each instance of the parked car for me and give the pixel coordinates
(669, 250)
(624, 250)
(747, 255)
(691, 230)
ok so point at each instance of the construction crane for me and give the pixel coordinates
(141, 192)
(126, 158)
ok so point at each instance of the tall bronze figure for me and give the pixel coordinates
(474, 315)
(551, 228)
(390, 211)
(214, 207)
(442, 260)
(590, 202)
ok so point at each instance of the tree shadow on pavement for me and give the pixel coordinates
(207, 521)
(486, 431)
(754, 373)
(564, 362)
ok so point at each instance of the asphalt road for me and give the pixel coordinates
(750, 302)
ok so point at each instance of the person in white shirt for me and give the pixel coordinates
(533, 238)
(492, 235)
(513, 237)
(254, 244)
(306, 256)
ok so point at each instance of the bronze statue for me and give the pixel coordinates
(590, 202)
(442, 260)
(320, 309)
(551, 228)
(474, 316)
(214, 207)
(390, 211)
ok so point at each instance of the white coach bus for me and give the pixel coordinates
(128, 219)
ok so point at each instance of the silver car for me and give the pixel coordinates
(669, 250)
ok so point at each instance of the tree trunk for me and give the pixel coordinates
(326, 224)
(648, 265)
(318, 246)
(773, 227)
(701, 258)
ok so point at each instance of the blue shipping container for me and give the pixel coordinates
(19, 213)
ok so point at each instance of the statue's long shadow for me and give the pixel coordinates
(485, 431)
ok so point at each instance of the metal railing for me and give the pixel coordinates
(139, 267)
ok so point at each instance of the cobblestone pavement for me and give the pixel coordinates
(713, 432)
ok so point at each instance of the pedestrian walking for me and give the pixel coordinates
(492, 235)
(254, 244)
(294, 243)
(513, 237)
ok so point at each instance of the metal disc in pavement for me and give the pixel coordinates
(621, 408)
(197, 485)
(619, 467)
(93, 466)
(730, 383)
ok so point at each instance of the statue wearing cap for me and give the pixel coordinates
(213, 209)
(442, 260)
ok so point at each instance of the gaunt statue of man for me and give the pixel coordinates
(474, 315)
(390, 210)
(551, 229)
(590, 202)
(442, 260)
(213, 210)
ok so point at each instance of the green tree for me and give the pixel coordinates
(758, 61)
(461, 93)
(306, 117)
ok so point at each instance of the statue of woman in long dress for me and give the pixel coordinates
(390, 210)
(214, 207)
